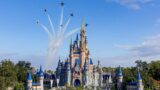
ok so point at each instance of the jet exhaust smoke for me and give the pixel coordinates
(56, 38)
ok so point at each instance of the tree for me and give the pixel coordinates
(154, 70)
(142, 65)
(23, 68)
(8, 73)
(19, 86)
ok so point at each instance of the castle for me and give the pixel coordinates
(79, 70)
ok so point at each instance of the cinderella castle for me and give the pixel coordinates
(79, 70)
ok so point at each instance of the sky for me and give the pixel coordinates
(119, 31)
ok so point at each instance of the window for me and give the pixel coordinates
(77, 61)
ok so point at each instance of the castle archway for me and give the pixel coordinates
(77, 83)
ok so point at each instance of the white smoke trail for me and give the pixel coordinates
(56, 39)
(66, 25)
(46, 30)
(71, 32)
(51, 24)
(61, 21)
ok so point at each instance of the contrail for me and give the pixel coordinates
(56, 38)
(46, 30)
(61, 20)
(66, 25)
(51, 24)
(71, 32)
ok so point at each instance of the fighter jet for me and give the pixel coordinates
(45, 10)
(86, 25)
(61, 25)
(71, 14)
(62, 3)
(37, 22)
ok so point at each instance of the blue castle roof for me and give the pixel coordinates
(29, 76)
(77, 38)
(40, 71)
(119, 71)
(139, 76)
(67, 62)
(91, 62)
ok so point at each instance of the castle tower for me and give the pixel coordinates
(82, 45)
(99, 69)
(139, 81)
(41, 77)
(110, 79)
(29, 81)
(109, 83)
(95, 78)
(119, 78)
(68, 73)
(71, 54)
(58, 70)
(86, 74)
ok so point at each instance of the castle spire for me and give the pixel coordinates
(29, 81)
(71, 44)
(83, 37)
(41, 77)
(119, 78)
(29, 76)
(41, 71)
(83, 27)
(77, 38)
(139, 78)
(139, 81)
(119, 71)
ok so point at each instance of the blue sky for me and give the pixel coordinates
(119, 31)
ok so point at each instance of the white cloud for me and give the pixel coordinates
(131, 4)
(125, 60)
(150, 47)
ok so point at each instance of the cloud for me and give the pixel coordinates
(150, 47)
(127, 60)
(131, 4)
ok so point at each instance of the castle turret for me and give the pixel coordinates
(76, 43)
(71, 54)
(99, 69)
(68, 72)
(58, 70)
(110, 79)
(95, 76)
(139, 81)
(109, 83)
(77, 38)
(41, 77)
(29, 81)
(86, 74)
(119, 78)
